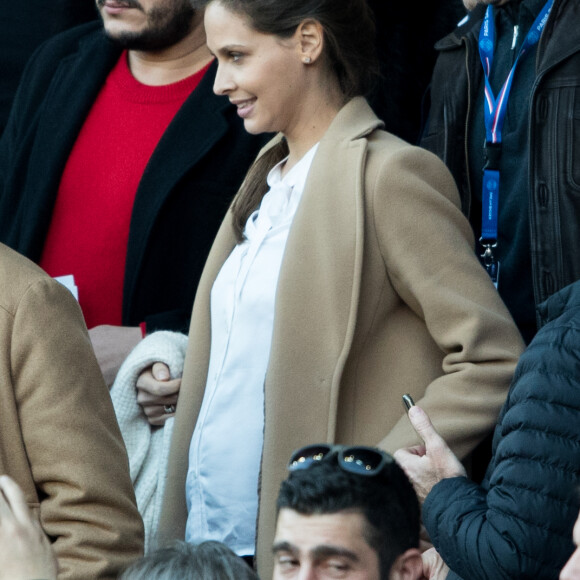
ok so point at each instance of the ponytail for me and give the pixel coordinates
(255, 187)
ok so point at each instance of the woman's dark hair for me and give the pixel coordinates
(349, 33)
(350, 50)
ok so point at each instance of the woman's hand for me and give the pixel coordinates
(157, 393)
(25, 551)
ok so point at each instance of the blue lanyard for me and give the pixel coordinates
(495, 109)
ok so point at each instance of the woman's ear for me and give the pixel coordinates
(310, 36)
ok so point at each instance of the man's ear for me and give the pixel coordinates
(310, 36)
(408, 566)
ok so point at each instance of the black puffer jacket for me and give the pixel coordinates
(518, 523)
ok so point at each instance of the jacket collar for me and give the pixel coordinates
(354, 121)
(469, 26)
(559, 39)
(466, 26)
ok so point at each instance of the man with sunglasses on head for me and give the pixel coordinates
(346, 512)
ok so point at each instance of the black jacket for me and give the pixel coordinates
(553, 134)
(26, 25)
(518, 523)
(183, 195)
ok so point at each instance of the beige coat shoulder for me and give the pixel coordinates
(58, 435)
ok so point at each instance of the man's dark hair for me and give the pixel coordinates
(387, 501)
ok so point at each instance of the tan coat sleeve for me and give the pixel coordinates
(77, 458)
(427, 246)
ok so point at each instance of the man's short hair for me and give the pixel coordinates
(209, 560)
(387, 501)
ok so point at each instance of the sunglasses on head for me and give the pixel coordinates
(357, 459)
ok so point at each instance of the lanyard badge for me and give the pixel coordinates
(495, 109)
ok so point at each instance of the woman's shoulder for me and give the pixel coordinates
(390, 160)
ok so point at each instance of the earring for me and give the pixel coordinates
(306, 60)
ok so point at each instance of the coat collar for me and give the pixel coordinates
(354, 121)
(198, 126)
(561, 27)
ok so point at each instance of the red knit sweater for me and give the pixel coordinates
(90, 224)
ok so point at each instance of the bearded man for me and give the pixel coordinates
(118, 164)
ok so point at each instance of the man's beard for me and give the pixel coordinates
(166, 26)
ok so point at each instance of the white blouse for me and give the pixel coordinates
(226, 447)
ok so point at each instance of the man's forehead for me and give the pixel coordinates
(311, 530)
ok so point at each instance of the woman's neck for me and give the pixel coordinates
(311, 130)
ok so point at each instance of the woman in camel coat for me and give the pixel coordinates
(379, 292)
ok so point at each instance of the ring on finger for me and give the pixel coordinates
(169, 409)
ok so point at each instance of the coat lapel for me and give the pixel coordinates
(173, 517)
(317, 302)
(69, 98)
(197, 127)
(319, 285)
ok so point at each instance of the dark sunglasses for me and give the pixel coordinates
(358, 459)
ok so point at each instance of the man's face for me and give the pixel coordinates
(323, 547)
(146, 25)
(471, 4)
(571, 570)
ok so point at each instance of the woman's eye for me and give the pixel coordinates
(235, 56)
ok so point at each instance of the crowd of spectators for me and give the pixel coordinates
(274, 220)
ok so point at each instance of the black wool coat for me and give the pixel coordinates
(183, 195)
(26, 25)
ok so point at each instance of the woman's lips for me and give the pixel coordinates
(245, 107)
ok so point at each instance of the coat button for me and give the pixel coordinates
(543, 194)
(542, 109)
(548, 283)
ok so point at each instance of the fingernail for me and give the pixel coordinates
(413, 411)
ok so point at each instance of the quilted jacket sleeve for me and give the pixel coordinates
(519, 523)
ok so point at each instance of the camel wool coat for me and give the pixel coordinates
(379, 294)
(59, 439)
